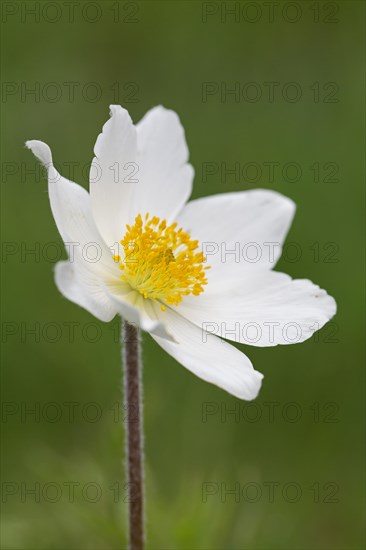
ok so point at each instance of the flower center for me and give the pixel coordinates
(161, 262)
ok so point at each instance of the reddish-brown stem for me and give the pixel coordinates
(134, 433)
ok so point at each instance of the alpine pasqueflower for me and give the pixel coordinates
(148, 263)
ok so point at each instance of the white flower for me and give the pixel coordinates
(157, 277)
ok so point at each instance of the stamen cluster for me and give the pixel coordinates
(161, 262)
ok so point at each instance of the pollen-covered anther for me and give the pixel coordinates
(161, 261)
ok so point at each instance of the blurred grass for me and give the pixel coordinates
(168, 54)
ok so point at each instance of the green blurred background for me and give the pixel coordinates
(303, 438)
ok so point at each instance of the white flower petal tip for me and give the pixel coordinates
(40, 150)
(271, 196)
(252, 387)
(118, 110)
(210, 358)
(169, 120)
(117, 127)
(160, 110)
(118, 113)
(247, 387)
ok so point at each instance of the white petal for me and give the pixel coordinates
(111, 184)
(252, 224)
(90, 261)
(136, 310)
(165, 177)
(210, 358)
(85, 290)
(71, 209)
(265, 308)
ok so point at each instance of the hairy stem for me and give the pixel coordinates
(134, 433)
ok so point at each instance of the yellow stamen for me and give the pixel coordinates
(161, 262)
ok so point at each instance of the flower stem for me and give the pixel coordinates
(134, 433)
